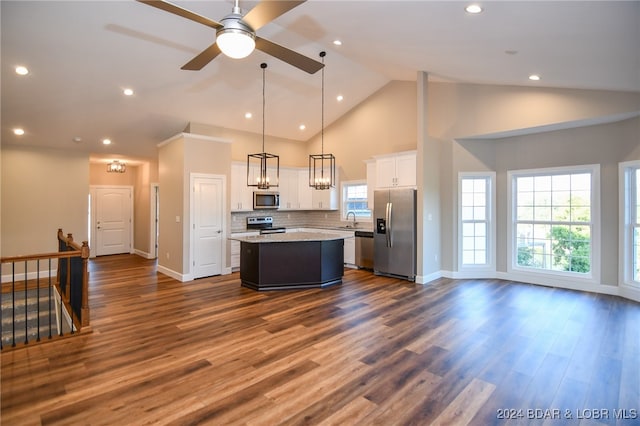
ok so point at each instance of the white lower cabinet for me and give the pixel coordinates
(350, 251)
(235, 249)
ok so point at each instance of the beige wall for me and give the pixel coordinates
(42, 190)
(178, 157)
(140, 177)
(292, 153)
(171, 183)
(466, 110)
(383, 123)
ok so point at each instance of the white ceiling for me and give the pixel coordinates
(82, 54)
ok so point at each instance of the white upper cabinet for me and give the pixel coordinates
(395, 170)
(241, 194)
(304, 190)
(289, 189)
(294, 189)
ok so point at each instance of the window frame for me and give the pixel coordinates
(490, 215)
(548, 276)
(628, 187)
(343, 202)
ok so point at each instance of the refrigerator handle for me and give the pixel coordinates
(389, 226)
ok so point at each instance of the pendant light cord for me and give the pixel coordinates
(322, 55)
(264, 67)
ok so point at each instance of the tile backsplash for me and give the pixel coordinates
(289, 219)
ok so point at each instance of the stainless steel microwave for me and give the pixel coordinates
(266, 200)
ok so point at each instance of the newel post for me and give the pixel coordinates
(85, 283)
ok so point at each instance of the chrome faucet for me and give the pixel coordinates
(354, 217)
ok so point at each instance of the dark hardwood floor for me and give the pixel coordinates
(373, 350)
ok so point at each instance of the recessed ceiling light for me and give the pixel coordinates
(106, 141)
(22, 70)
(302, 127)
(339, 98)
(18, 131)
(77, 139)
(473, 8)
(337, 42)
(534, 77)
(128, 92)
(248, 115)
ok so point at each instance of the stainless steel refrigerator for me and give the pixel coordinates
(394, 235)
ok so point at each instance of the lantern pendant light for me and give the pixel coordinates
(322, 167)
(263, 169)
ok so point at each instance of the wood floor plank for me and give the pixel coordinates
(373, 351)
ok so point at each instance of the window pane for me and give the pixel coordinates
(355, 200)
(467, 213)
(560, 208)
(468, 230)
(468, 243)
(474, 220)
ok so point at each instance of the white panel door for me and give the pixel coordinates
(207, 226)
(113, 220)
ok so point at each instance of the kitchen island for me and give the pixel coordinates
(286, 261)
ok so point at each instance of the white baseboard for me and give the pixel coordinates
(624, 291)
(173, 274)
(425, 279)
(143, 254)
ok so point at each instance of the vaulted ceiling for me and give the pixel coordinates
(81, 55)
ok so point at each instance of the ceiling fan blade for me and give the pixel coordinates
(177, 10)
(202, 59)
(267, 11)
(289, 56)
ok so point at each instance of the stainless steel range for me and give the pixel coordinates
(264, 224)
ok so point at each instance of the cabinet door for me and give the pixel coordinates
(406, 170)
(350, 251)
(288, 189)
(241, 194)
(304, 191)
(385, 172)
(371, 183)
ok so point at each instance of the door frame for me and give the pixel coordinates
(224, 269)
(93, 211)
(154, 224)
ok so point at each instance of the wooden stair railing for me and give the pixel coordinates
(71, 284)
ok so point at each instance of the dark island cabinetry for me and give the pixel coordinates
(268, 264)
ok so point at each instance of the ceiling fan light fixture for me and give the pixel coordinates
(236, 40)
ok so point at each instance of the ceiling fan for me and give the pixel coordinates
(236, 34)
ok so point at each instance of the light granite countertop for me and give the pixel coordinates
(288, 237)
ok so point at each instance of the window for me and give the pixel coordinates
(630, 208)
(554, 226)
(475, 225)
(354, 199)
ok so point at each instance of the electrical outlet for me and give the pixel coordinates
(167, 255)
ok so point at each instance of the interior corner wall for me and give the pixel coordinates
(42, 190)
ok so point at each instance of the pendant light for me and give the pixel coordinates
(263, 169)
(322, 167)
